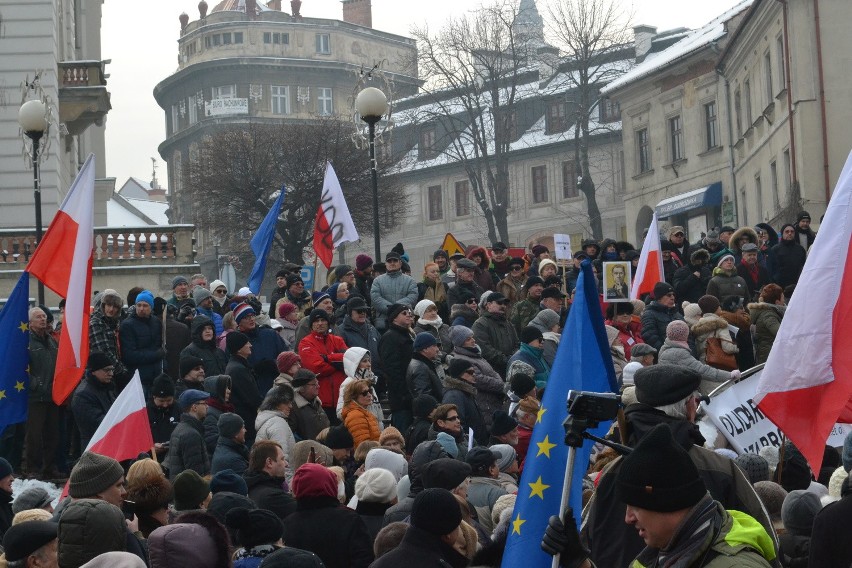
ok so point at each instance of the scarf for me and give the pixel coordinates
(752, 271)
(365, 374)
(436, 323)
(691, 536)
(464, 386)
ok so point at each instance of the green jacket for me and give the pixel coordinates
(43, 353)
(523, 313)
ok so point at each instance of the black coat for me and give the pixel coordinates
(463, 395)
(831, 546)
(214, 359)
(655, 318)
(373, 515)
(178, 337)
(689, 287)
(459, 293)
(142, 346)
(395, 348)
(162, 421)
(229, 454)
(187, 449)
(308, 529)
(245, 396)
(422, 378)
(90, 404)
(754, 288)
(267, 493)
(786, 260)
(6, 514)
(420, 549)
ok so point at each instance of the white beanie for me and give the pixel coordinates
(375, 486)
(628, 372)
(836, 482)
(381, 458)
(215, 284)
(422, 306)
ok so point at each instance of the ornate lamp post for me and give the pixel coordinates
(371, 105)
(32, 117)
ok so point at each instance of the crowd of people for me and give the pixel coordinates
(386, 419)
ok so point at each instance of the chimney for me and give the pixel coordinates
(358, 12)
(202, 9)
(642, 38)
(251, 9)
(274, 5)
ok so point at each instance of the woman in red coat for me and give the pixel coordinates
(322, 353)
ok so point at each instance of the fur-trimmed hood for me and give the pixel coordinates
(699, 255)
(734, 243)
(771, 233)
(708, 325)
(486, 260)
(756, 307)
(462, 310)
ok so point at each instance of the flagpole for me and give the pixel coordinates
(566, 492)
(314, 281)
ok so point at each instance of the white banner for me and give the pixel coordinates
(562, 246)
(745, 427)
(221, 107)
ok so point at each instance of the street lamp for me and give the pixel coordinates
(33, 120)
(371, 105)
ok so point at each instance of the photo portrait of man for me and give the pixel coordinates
(616, 281)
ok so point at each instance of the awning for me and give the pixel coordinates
(709, 196)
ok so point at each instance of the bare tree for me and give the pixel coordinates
(474, 66)
(235, 177)
(595, 38)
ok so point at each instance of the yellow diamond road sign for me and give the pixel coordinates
(452, 245)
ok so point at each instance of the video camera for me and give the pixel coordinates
(587, 410)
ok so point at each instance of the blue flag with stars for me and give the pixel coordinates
(261, 243)
(582, 362)
(14, 354)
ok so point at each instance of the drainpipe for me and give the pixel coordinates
(822, 103)
(794, 173)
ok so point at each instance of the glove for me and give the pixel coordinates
(561, 537)
(735, 374)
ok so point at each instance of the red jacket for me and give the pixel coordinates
(628, 336)
(319, 353)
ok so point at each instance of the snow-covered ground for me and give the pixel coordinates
(21, 485)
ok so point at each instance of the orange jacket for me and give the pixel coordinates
(360, 422)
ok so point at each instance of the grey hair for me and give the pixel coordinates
(32, 311)
(678, 409)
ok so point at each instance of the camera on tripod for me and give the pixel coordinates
(587, 410)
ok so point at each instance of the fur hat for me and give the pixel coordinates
(659, 385)
(376, 486)
(677, 330)
(391, 433)
(459, 334)
(254, 526)
(529, 404)
(190, 490)
(153, 495)
(436, 512)
(93, 474)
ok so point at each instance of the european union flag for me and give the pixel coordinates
(261, 242)
(14, 354)
(582, 362)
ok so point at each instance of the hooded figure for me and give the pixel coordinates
(213, 359)
(219, 387)
(352, 366)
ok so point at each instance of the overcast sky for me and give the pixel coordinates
(141, 40)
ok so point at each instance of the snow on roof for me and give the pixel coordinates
(120, 216)
(154, 210)
(133, 212)
(694, 41)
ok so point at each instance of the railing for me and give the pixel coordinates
(164, 244)
(82, 73)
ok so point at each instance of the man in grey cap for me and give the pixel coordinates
(465, 283)
(391, 288)
(32, 498)
(180, 291)
(231, 451)
(186, 446)
(494, 334)
(755, 275)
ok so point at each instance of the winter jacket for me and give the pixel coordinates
(711, 325)
(388, 289)
(361, 423)
(162, 421)
(794, 550)
(307, 528)
(461, 291)
(616, 349)
(212, 316)
(831, 546)
(689, 287)
(92, 526)
(266, 345)
(655, 318)
(307, 418)
(229, 454)
(523, 313)
(178, 337)
(273, 425)
(244, 394)
(424, 376)
(351, 359)
(490, 387)
(396, 349)
(510, 288)
(214, 359)
(463, 395)
(676, 354)
(363, 335)
(420, 549)
(786, 260)
(323, 354)
(302, 302)
(373, 515)
(727, 283)
(482, 494)
(441, 333)
(103, 337)
(91, 401)
(497, 338)
(6, 514)
(484, 277)
(417, 432)
(268, 493)
(603, 518)
(745, 353)
(142, 346)
(216, 406)
(43, 352)
(766, 319)
(187, 449)
(533, 356)
(461, 314)
(287, 332)
(755, 279)
(628, 335)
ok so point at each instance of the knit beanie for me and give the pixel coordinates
(285, 309)
(314, 480)
(424, 340)
(421, 307)
(228, 480)
(229, 424)
(242, 310)
(448, 443)
(508, 455)
(387, 459)
(459, 334)
(628, 372)
(285, 360)
(423, 405)
(318, 314)
(200, 293)
(436, 512)
(339, 438)
(546, 319)
(254, 526)
(795, 473)
(502, 423)
(318, 297)
(661, 289)
(178, 280)
(235, 341)
(93, 474)
(502, 503)
(530, 334)
(799, 510)
(521, 384)
(771, 455)
(145, 296)
(363, 262)
(97, 361)
(723, 259)
(457, 367)
(190, 490)
(755, 467)
(446, 473)
(376, 486)
(708, 304)
(641, 482)
(395, 310)
(188, 363)
(389, 434)
(772, 496)
(677, 330)
(691, 313)
(224, 501)
(5, 468)
(163, 386)
(836, 480)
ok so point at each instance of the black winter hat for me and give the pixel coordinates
(395, 310)
(227, 480)
(532, 281)
(803, 215)
(436, 512)
(317, 314)
(659, 475)
(481, 459)
(502, 423)
(97, 361)
(440, 252)
(163, 386)
(446, 473)
(229, 424)
(424, 404)
(235, 341)
(795, 473)
(659, 385)
(190, 362)
(254, 526)
(457, 367)
(190, 490)
(530, 334)
(294, 279)
(224, 501)
(661, 289)
(356, 303)
(521, 384)
(339, 438)
(23, 539)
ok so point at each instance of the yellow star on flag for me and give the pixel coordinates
(2, 395)
(516, 524)
(544, 447)
(541, 412)
(538, 488)
(19, 386)
(24, 327)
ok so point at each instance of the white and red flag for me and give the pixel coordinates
(650, 268)
(807, 380)
(334, 224)
(63, 262)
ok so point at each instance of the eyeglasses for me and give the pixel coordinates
(297, 284)
(220, 291)
(452, 418)
(406, 312)
(471, 301)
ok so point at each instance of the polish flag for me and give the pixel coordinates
(334, 224)
(650, 268)
(807, 380)
(63, 262)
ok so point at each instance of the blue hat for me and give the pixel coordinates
(228, 480)
(190, 397)
(145, 296)
(424, 340)
(318, 297)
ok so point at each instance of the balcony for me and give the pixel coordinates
(83, 97)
